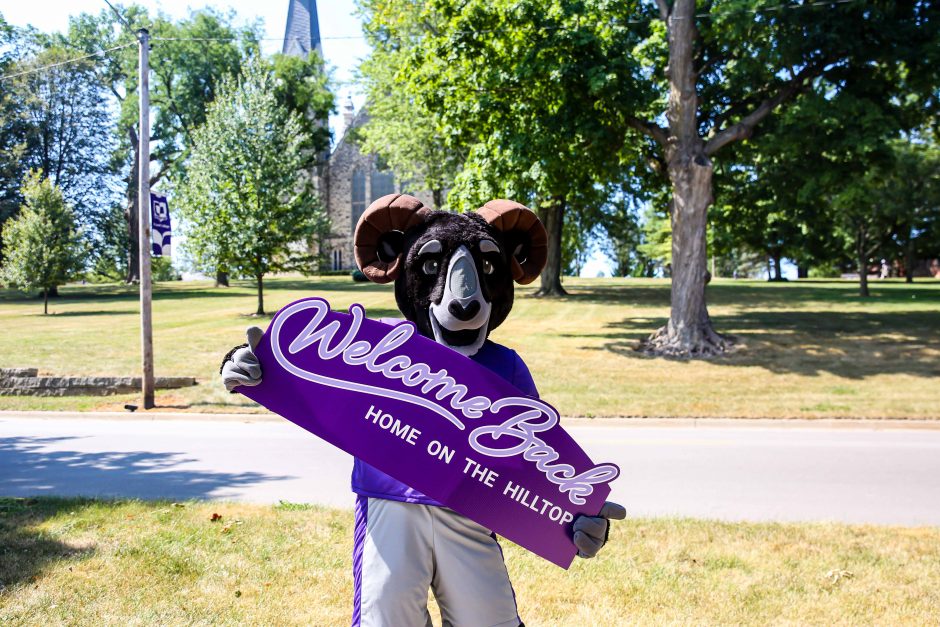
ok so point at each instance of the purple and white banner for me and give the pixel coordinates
(160, 229)
(433, 419)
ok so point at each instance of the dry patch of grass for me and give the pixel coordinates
(98, 562)
(811, 349)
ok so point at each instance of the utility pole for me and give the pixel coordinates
(143, 219)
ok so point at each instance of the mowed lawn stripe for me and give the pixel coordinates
(810, 349)
(81, 562)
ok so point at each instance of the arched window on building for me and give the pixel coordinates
(358, 195)
(383, 183)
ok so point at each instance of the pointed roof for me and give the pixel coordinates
(303, 28)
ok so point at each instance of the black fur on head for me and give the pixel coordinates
(416, 289)
(453, 272)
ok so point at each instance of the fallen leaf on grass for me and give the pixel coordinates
(215, 517)
(238, 593)
(226, 528)
(837, 575)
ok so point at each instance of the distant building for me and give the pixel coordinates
(348, 181)
(302, 35)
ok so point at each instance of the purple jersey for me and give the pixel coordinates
(372, 482)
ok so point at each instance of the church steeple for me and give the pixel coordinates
(303, 29)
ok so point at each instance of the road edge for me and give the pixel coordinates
(873, 424)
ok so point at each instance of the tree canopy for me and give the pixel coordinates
(44, 248)
(246, 204)
(521, 91)
(553, 102)
(188, 58)
(407, 136)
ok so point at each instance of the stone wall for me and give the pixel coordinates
(27, 382)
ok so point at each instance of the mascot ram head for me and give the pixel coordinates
(453, 273)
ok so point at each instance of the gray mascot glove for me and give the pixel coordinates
(240, 366)
(591, 532)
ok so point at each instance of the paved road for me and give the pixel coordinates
(726, 472)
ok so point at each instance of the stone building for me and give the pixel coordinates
(348, 181)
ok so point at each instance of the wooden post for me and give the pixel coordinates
(143, 217)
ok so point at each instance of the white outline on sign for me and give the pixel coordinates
(521, 428)
(357, 313)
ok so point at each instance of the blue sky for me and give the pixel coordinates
(337, 20)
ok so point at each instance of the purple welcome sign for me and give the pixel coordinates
(433, 419)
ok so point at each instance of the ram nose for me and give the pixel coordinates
(462, 312)
(463, 278)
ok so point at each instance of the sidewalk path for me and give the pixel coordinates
(781, 472)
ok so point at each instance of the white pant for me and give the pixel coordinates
(403, 549)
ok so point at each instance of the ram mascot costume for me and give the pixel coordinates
(453, 277)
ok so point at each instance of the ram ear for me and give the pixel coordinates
(524, 233)
(380, 235)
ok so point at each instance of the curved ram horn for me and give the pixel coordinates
(379, 239)
(525, 234)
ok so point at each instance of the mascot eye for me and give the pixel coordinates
(430, 266)
(488, 266)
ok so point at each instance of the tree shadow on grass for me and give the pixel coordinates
(102, 312)
(371, 312)
(118, 293)
(653, 295)
(760, 294)
(854, 345)
(325, 284)
(38, 467)
(25, 550)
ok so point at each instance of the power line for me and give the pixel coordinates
(66, 62)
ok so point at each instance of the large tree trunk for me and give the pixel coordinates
(862, 257)
(45, 301)
(260, 279)
(553, 218)
(131, 212)
(221, 278)
(777, 275)
(909, 257)
(689, 331)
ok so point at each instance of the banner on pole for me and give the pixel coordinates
(160, 228)
(433, 419)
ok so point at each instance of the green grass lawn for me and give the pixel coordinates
(811, 349)
(82, 562)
